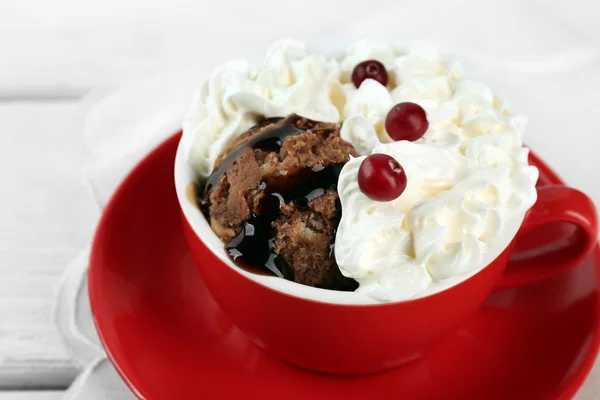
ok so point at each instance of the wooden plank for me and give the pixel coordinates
(73, 50)
(32, 395)
(46, 218)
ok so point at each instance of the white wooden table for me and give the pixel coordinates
(45, 220)
(54, 52)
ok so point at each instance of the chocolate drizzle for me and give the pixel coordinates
(270, 141)
(253, 247)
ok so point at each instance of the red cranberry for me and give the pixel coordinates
(381, 177)
(406, 121)
(370, 69)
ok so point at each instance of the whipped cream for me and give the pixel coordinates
(238, 94)
(468, 177)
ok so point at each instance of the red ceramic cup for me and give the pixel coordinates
(349, 333)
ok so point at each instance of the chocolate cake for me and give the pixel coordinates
(272, 199)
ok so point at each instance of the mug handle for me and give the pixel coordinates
(570, 235)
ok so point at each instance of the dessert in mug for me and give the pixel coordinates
(383, 171)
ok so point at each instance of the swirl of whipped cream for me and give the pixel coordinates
(468, 177)
(453, 208)
(364, 115)
(419, 76)
(373, 239)
(237, 94)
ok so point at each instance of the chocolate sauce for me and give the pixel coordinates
(270, 141)
(191, 193)
(252, 248)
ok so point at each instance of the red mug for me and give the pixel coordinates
(349, 333)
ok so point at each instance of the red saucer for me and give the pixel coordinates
(169, 340)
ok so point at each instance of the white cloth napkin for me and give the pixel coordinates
(120, 126)
(124, 122)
